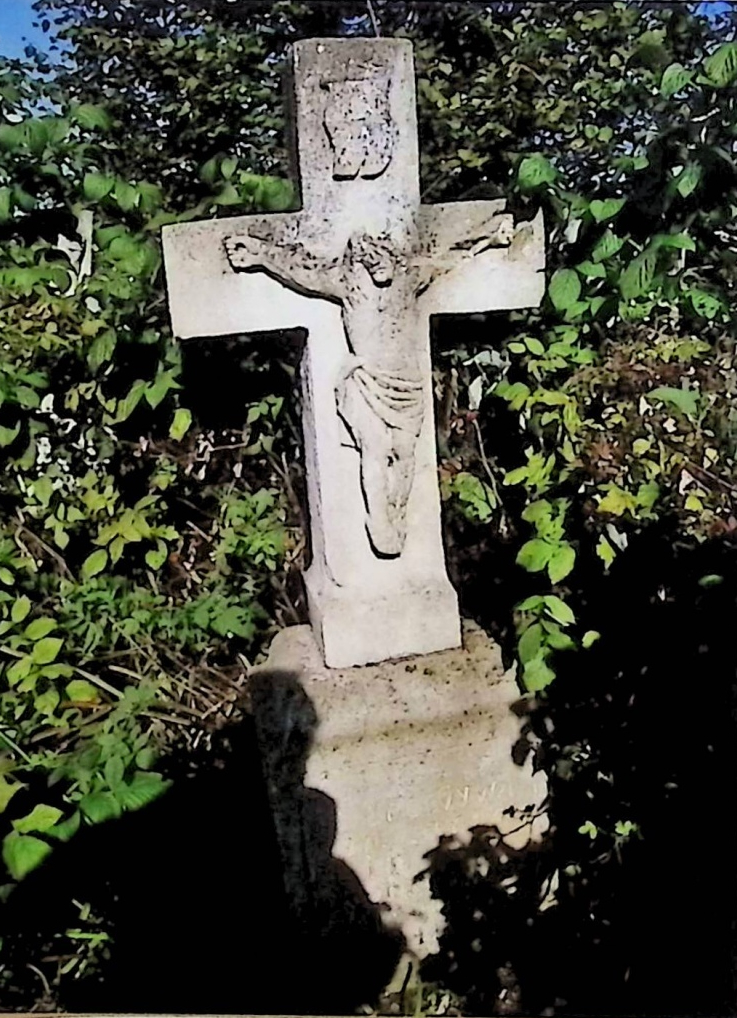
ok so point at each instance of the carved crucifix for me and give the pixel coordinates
(361, 268)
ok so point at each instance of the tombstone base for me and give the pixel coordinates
(357, 627)
(368, 768)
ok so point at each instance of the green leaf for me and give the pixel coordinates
(688, 179)
(156, 557)
(561, 562)
(531, 603)
(39, 628)
(228, 166)
(591, 270)
(97, 186)
(530, 643)
(537, 675)
(589, 638)
(46, 703)
(46, 650)
(558, 610)
(94, 563)
(11, 137)
(703, 303)
(82, 691)
(675, 78)
(648, 494)
(605, 551)
(181, 424)
(114, 772)
(101, 350)
(19, 670)
(682, 241)
(606, 246)
(639, 276)
(20, 609)
(100, 806)
(128, 404)
(535, 171)
(556, 638)
(564, 288)
(589, 828)
(682, 399)
(535, 346)
(8, 435)
(157, 391)
(617, 501)
(233, 621)
(146, 758)
(23, 853)
(711, 580)
(151, 196)
(40, 819)
(209, 170)
(37, 134)
(534, 555)
(67, 828)
(7, 791)
(6, 207)
(91, 117)
(721, 66)
(275, 195)
(607, 209)
(126, 195)
(144, 788)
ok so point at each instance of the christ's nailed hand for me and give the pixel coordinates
(244, 252)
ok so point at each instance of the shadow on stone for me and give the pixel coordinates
(347, 953)
(191, 890)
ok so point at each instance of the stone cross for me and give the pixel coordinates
(361, 268)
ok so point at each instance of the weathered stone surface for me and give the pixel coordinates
(361, 267)
(399, 754)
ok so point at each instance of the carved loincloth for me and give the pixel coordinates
(395, 398)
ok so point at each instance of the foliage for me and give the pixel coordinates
(142, 552)
(122, 567)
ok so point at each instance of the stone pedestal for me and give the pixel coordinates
(368, 768)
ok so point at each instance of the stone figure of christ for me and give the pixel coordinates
(379, 393)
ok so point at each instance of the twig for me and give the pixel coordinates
(374, 22)
(486, 465)
(227, 448)
(97, 681)
(46, 547)
(15, 747)
(42, 977)
(695, 469)
(203, 535)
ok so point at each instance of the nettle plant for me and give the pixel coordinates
(127, 568)
(622, 383)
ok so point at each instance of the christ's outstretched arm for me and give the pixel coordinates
(497, 231)
(287, 261)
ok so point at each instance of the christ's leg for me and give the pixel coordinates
(387, 453)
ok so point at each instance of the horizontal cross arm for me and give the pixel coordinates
(474, 259)
(209, 297)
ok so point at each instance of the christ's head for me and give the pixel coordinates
(377, 255)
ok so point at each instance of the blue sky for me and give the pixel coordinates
(16, 28)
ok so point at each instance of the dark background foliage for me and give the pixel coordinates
(153, 510)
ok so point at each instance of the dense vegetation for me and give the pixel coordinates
(152, 510)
